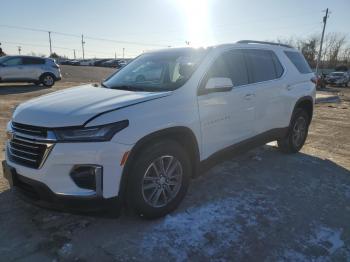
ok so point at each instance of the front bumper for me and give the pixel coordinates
(55, 171)
(40, 194)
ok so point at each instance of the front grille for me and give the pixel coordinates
(29, 130)
(29, 146)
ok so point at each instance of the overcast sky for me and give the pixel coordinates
(142, 25)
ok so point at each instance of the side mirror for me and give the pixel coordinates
(218, 84)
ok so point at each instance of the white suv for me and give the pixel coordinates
(139, 141)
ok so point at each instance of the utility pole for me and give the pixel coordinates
(50, 43)
(123, 52)
(115, 55)
(19, 50)
(82, 45)
(320, 51)
(74, 54)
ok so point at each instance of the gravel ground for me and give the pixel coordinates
(261, 205)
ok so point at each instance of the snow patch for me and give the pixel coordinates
(209, 230)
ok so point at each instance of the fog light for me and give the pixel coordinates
(88, 177)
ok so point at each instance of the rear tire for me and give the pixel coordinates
(47, 80)
(297, 133)
(159, 179)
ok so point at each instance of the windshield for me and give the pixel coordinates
(160, 71)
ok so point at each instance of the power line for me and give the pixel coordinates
(65, 48)
(74, 35)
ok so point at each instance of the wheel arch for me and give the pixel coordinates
(306, 103)
(47, 73)
(180, 134)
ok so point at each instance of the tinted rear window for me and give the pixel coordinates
(263, 65)
(33, 61)
(299, 61)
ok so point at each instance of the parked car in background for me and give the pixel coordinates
(29, 69)
(111, 63)
(74, 62)
(140, 142)
(115, 63)
(99, 62)
(87, 62)
(64, 62)
(338, 78)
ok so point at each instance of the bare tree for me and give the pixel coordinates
(335, 51)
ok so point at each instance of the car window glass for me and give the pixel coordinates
(219, 68)
(33, 61)
(237, 67)
(13, 61)
(299, 61)
(278, 66)
(158, 71)
(261, 65)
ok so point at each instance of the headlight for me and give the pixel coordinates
(90, 134)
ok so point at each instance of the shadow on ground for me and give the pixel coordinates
(260, 205)
(9, 89)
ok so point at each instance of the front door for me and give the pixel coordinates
(227, 117)
(13, 69)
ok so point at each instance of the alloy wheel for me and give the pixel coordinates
(162, 181)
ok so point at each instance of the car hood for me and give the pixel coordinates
(75, 106)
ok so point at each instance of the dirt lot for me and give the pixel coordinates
(261, 205)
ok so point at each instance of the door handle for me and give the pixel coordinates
(249, 96)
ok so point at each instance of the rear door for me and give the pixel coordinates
(33, 67)
(226, 117)
(265, 72)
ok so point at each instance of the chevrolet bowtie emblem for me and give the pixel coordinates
(10, 135)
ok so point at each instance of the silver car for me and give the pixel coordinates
(37, 70)
(338, 78)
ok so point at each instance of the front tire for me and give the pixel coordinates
(297, 133)
(47, 80)
(159, 179)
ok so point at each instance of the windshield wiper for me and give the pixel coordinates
(138, 88)
(125, 87)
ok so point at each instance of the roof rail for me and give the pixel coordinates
(262, 42)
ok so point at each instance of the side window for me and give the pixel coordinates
(33, 61)
(13, 61)
(299, 61)
(219, 68)
(261, 65)
(232, 65)
(237, 66)
(278, 66)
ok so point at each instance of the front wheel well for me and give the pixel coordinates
(182, 135)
